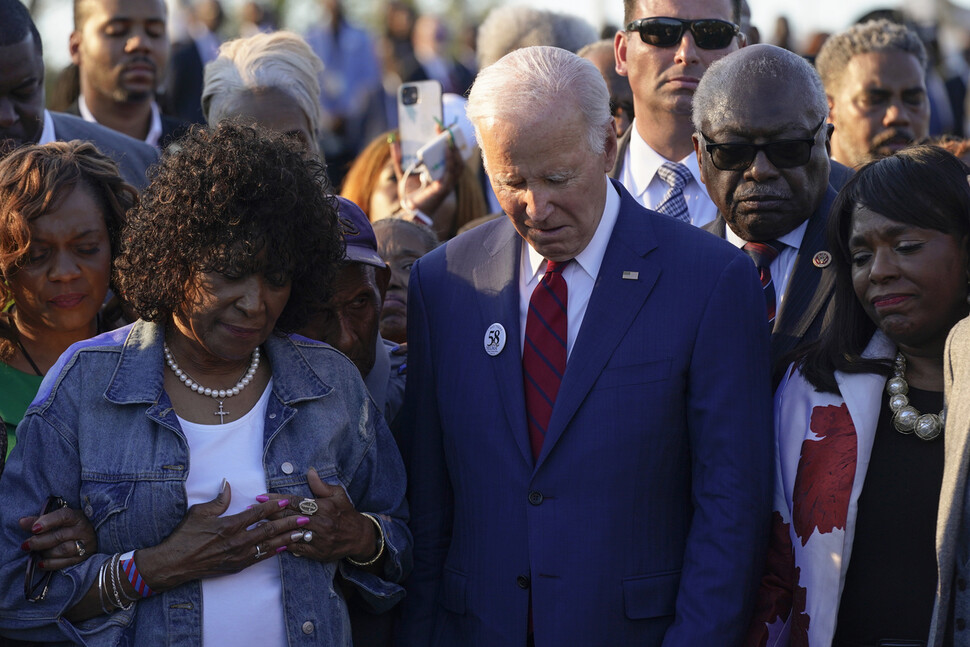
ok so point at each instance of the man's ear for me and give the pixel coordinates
(611, 146)
(619, 52)
(74, 45)
(699, 152)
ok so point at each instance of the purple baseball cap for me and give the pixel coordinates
(359, 238)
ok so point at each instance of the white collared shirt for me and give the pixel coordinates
(580, 275)
(154, 130)
(47, 134)
(781, 268)
(639, 176)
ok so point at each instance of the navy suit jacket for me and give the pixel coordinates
(644, 519)
(132, 156)
(807, 306)
(172, 128)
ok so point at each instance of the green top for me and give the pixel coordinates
(17, 391)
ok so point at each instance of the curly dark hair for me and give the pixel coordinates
(235, 200)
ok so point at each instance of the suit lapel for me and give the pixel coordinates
(612, 307)
(496, 282)
(808, 286)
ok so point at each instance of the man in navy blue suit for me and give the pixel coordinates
(587, 422)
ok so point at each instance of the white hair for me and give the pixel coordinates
(715, 97)
(507, 29)
(280, 60)
(529, 80)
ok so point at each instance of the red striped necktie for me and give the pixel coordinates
(544, 354)
(762, 254)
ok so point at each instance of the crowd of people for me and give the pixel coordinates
(673, 351)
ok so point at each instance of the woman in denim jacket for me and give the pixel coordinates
(230, 471)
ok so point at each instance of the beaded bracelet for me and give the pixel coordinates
(134, 577)
(380, 539)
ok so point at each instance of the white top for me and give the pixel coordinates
(580, 276)
(154, 130)
(245, 608)
(639, 176)
(783, 264)
(47, 134)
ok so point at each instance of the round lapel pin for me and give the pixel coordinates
(822, 259)
(495, 339)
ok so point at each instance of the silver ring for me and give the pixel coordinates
(308, 507)
(308, 536)
(80, 548)
(259, 551)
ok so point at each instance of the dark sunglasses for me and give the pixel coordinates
(709, 33)
(783, 153)
(36, 581)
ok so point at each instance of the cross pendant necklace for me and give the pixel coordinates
(221, 413)
(216, 394)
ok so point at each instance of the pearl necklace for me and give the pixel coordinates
(218, 394)
(906, 418)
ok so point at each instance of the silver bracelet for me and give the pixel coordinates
(116, 584)
(380, 546)
(101, 587)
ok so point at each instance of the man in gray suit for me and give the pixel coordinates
(951, 609)
(23, 119)
(762, 146)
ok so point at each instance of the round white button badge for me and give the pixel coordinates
(495, 339)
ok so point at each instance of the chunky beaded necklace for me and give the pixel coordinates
(906, 418)
(217, 394)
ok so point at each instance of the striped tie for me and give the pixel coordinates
(674, 205)
(544, 354)
(762, 254)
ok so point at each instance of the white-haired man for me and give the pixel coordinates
(587, 415)
(762, 147)
(875, 80)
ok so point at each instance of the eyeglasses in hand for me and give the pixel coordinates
(36, 581)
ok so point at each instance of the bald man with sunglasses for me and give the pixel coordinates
(664, 50)
(762, 145)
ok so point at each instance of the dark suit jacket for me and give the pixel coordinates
(839, 174)
(808, 298)
(183, 96)
(644, 519)
(172, 128)
(132, 156)
(622, 144)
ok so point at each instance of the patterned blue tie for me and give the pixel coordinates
(674, 205)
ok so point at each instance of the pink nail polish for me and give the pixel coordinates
(249, 507)
(280, 549)
(36, 528)
(302, 521)
(25, 547)
(262, 498)
(284, 502)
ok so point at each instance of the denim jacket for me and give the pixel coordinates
(102, 434)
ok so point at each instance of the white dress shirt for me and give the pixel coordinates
(47, 134)
(780, 268)
(580, 275)
(639, 176)
(154, 129)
